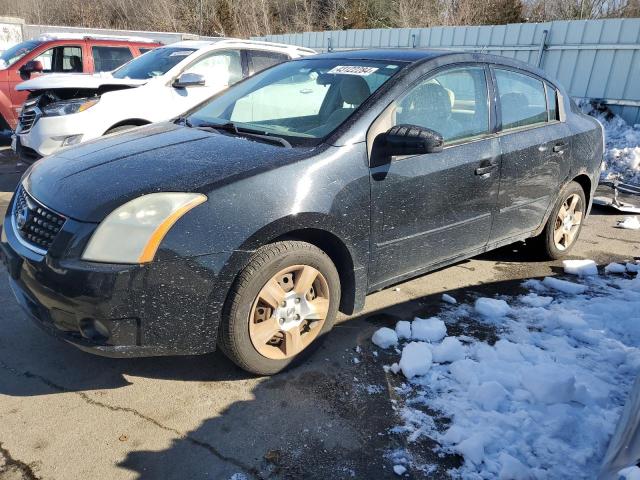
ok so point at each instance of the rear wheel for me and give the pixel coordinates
(565, 222)
(282, 304)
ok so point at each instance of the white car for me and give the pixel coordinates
(64, 110)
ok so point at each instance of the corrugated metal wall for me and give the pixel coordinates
(592, 58)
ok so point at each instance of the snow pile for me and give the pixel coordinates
(580, 267)
(630, 223)
(622, 156)
(543, 401)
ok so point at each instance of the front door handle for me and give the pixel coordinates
(486, 167)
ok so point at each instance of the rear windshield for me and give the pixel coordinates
(15, 53)
(320, 94)
(154, 63)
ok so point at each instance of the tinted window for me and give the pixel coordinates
(157, 62)
(552, 102)
(453, 103)
(218, 69)
(522, 99)
(106, 59)
(46, 58)
(144, 50)
(261, 60)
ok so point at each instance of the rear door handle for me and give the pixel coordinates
(486, 167)
(559, 147)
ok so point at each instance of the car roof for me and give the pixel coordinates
(213, 43)
(409, 55)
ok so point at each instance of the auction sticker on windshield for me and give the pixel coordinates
(353, 70)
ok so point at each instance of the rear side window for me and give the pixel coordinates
(259, 60)
(522, 99)
(106, 59)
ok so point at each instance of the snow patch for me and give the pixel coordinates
(428, 329)
(450, 350)
(491, 307)
(615, 268)
(580, 267)
(403, 330)
(385, 337)
(629, 223)
(416, 359)
(564, 286)
(449, 299)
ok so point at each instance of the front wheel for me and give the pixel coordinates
(563, 227)
(280, 306)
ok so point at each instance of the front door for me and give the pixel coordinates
(428, 209)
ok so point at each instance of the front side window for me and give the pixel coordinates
(302, 101)
(219, 68)
(15, 53)
(522, 99)
(453, 103)
(155, 63)
(106, 59)
(67, 59)
(263, 59)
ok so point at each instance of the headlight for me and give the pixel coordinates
(67, 107)
(133, 232)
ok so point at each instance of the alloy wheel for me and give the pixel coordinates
(568, 222)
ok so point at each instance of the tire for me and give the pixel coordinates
(120, 128)
(547, 242)
(264, 339)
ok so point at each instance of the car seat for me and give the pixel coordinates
(76, 63)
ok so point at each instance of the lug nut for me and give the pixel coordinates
(297, 300)
(283, 303)
(282, 321)
(297, 317)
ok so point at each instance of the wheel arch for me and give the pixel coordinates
(585, 182)
(339, 254)
(130, 121)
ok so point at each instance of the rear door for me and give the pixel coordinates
(535, 148)
(428, 209)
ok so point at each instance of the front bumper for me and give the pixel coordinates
(162, 308)
(48, 134)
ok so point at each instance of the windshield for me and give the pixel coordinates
(153, 64)
(15, 53)
(302, 100)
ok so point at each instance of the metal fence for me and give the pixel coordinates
(596, 59)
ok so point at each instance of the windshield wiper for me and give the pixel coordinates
(233, 128)
(184, 121)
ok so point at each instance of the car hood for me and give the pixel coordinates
(76, 80)
(89, 181)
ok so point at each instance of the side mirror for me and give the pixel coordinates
(405, 140)
(32, 66)
(189, 80)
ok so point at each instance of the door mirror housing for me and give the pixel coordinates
(189, 80)
(405, 140)
(32, 66)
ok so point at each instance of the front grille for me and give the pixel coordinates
(35, 224)
(26, 119)
(28, 115)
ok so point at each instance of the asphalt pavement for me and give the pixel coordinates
(65, 414)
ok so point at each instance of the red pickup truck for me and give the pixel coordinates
(60, 54)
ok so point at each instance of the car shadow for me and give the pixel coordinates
(330, 417)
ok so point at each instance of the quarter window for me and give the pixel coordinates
(106, 59)
(453, 103)
(522, 99)
(219, 69)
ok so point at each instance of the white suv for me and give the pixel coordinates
(64, 110)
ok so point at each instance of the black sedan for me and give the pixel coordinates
(251, 220)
